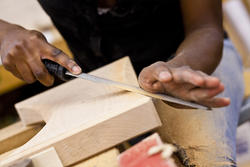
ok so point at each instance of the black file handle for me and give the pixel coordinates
(56, 69)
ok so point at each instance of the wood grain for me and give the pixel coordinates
(105, 159)
(84, 118)
(48, 158)
(16, 135)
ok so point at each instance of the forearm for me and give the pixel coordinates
(201, 50)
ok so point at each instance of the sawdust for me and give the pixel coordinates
(196, 135)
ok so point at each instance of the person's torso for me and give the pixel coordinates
(145, 30)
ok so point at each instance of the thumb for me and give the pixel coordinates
(161, 72)
(64, 60)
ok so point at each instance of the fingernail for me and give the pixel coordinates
(76, 69)
(164, 76)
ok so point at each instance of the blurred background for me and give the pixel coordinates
(29, 14)
(12, 90)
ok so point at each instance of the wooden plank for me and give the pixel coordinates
(16, 135)
(22, 163)
(48, 158)
(106, 159)
(84, 118)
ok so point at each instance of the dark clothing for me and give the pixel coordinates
(146, 30)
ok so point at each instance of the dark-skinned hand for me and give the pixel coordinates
(184, 83)
(22, 51)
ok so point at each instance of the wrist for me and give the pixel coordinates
(177, 61)
(7, 28)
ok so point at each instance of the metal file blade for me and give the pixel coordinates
(136, 89)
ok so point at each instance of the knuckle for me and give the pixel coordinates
(56, 52)
(144, 80)
(40, 74)
(11, 54)
(19, 44)
(144, 73)
(35, 35)
(185, 73)
(177, 76)
(144, 84)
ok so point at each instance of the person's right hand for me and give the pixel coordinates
(22, 51)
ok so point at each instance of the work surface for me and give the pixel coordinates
(83, 118)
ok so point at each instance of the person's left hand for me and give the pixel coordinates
(184, 83)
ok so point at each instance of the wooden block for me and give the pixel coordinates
(16, 135)
(48, 158)
(85, 118)
(22, 163)
(106, 159)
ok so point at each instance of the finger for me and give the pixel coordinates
(216, 102)
(151, 77)
(158, 87)
(41, 73)
(198, 94)
(18, 67)
(61, 58)
(155, 72)
(161, 72)
(14, 71)
(149, 86)
(25, 72)
(37, 35)
(146, 79)
(210, 81)
(186, 75)
(38, 69)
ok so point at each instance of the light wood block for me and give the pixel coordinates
(48, 158)
(106, 159)
(16, 135)
(84, 118)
